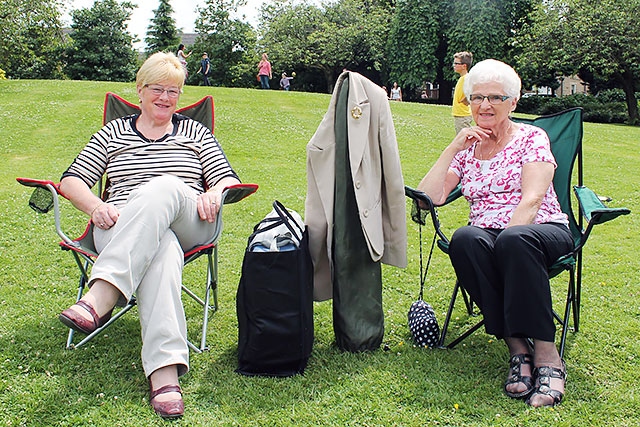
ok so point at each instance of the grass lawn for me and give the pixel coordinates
(44, 124)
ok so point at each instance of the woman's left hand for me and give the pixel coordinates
(209, 205)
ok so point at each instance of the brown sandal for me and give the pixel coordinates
(544, 375)
(515, 375)
(170, 408)
(75, 321)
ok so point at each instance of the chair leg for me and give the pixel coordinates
(577, 292)
(211, 290)
(469, 306)
(467, 301)
(570, 303)
(212, 286)
(447, 319)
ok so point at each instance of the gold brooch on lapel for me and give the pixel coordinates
(356, 112)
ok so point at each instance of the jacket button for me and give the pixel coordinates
(365, 213)
(358, 185)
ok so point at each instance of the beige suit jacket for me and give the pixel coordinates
(377, 181)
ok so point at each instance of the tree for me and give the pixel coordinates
(32, 41)
(101, 47)
(162, 34)
(348, 34)
(412, 46)
(570, 36)
(228, 42)
(426, 33)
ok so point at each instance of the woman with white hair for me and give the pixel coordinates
(516, 229)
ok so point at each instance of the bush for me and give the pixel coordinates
(607, 107)
(2, 75)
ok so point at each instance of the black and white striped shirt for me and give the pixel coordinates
(129, 159)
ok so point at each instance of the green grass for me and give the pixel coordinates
(43, 124)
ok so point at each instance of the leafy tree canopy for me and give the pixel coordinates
(228, 42)
(32, 39)
(412, 45)
(592, 38)
(101, 47)
(347, 34)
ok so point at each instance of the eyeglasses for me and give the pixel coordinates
(493, 99)
(172, 92)
(458, 63)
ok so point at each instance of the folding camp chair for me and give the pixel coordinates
(45, 197)
(565, 133)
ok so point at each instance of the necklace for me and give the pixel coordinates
(497, 144)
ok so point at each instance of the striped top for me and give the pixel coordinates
(191, 152)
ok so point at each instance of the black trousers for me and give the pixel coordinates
(506, 274)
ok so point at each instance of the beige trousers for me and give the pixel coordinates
(143, 253)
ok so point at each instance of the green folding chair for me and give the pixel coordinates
(45, 197)
(565, 133)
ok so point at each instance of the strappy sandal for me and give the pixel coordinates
(544, 375)
(515, 375)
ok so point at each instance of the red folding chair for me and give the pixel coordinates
(46, 197)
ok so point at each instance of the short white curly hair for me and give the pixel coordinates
(492, 70)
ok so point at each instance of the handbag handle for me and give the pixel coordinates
(287, 218)
(284, 217)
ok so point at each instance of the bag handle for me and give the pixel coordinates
(284, 217)
(287, 218)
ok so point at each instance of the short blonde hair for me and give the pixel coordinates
(160, 67)
(492, 70)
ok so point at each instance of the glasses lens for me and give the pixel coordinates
(497, 99)
(159, 90)
(493, 99)
(457, 63)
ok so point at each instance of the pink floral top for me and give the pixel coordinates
(493, 187)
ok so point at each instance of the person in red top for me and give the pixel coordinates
(264, 71)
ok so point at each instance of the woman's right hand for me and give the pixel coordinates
(468, 136)
(104, 216)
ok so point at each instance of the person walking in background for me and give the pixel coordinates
(285, 81)
(182, 57)
(396, 92)
(205, 69)
(264, 71)
(461, 112)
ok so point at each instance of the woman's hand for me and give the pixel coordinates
(468, 136)
(104, 215)
(209, 204)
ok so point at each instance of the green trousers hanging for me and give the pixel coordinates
(358, 319)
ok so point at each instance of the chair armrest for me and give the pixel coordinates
(592, 208)
(237, 192)
(423, 202)
(44, 198)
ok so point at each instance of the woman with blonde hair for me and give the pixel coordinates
(166, 173)
(264, 71)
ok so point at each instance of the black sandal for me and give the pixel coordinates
(515, 375)
(543, 375)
